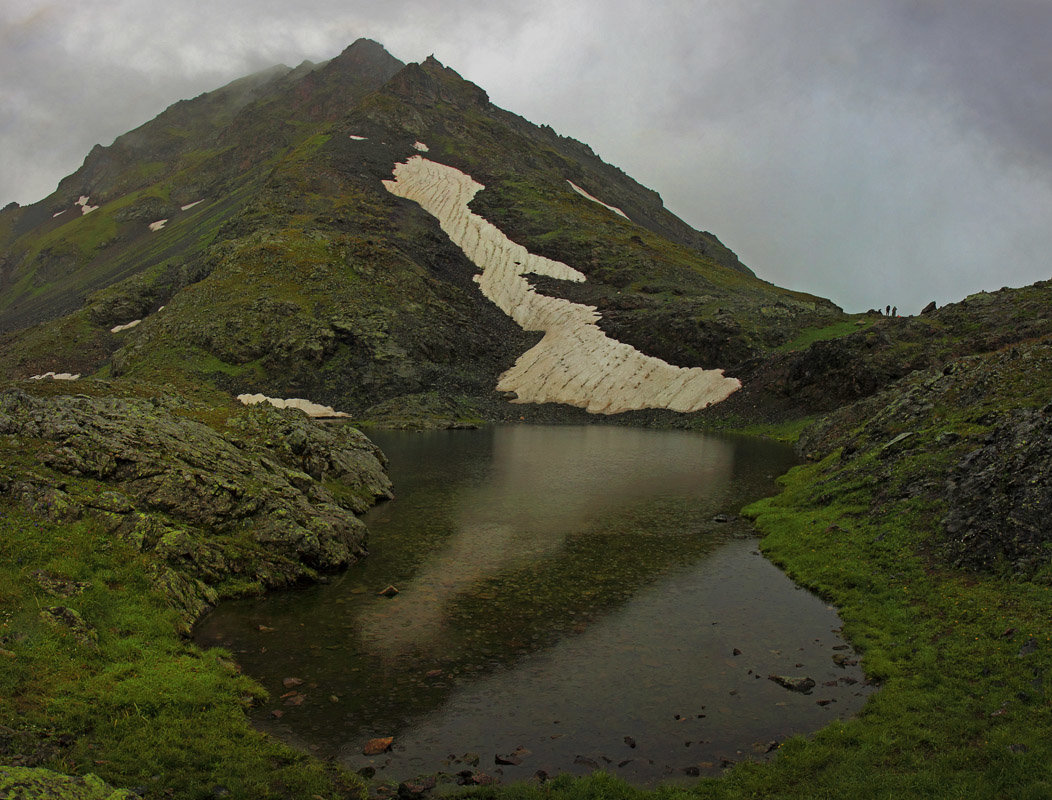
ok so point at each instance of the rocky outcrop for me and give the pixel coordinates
(974, 437)
(1000, 496)
(245, 496)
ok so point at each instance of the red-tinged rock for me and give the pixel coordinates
(468, 777)
(418, 788)
(381, 744)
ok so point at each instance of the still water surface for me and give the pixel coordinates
(564, 594)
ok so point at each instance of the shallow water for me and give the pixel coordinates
(564, 594)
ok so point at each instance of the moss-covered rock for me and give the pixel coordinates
(24, 783)
(222, 497)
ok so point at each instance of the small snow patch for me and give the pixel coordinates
(358, 138)
(56, 376)
(125, 326)
(82, 201)
(423, 148)
(188, 206)
(156, 226)
(59, 213)
(306, 406)
(583, 193)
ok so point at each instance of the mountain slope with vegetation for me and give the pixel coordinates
(298, 274)
(135, 497)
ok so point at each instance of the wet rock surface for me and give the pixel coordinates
(1000, 496)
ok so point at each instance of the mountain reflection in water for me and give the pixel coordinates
(544, 486)
(563, 591)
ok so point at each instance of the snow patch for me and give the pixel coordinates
(358, 138)
(306, 406)
(59, 213)
(156, 226)
(583, 193)
(188, 206)
(423, 148)
(56, 376)
(83, 201)
(575, 362)
(125, 326)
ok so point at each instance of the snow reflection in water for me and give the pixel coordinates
(560, 589)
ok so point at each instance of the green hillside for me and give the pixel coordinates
(296, 273)
(134, 498)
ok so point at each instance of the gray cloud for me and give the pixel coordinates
(872, 151)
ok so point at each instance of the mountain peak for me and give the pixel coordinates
(431, 80)
(366, 53)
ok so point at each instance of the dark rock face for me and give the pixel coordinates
(975, 437)
(1000, 496)
(270, 498)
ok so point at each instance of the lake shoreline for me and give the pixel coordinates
(183, 701)
(530, 563)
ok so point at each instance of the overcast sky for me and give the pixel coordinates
(871, 151)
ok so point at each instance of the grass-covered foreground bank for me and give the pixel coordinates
(123, 513)
(96, 679)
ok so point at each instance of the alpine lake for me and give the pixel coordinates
(569, 598)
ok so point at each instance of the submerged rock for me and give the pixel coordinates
(514, 758)
(804, 685)
(380, 744)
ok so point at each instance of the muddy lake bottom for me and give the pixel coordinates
(568, 599)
